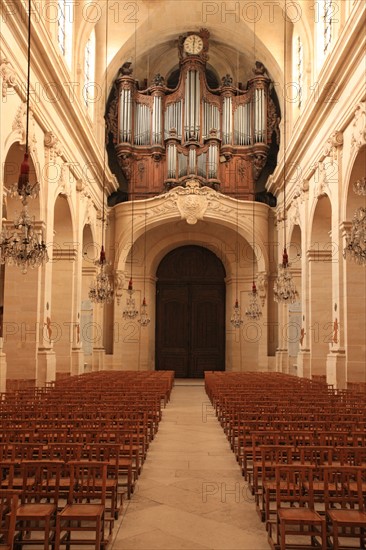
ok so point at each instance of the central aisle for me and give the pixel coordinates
(190, 493)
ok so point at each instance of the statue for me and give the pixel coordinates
(158, 80)
(126, 69)
(227, 80)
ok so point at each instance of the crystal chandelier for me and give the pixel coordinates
(101, 289)
(130, 311)
(284, 287)
(356, 241)
(144, 316)
(359, 187)
(254, 310)
(23, 246)
(236, 319)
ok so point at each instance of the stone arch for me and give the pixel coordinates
(165, 231)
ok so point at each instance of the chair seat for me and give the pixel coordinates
(347, 516)
(34, 510)
(82, 511)
(271, 485)
(299, 514)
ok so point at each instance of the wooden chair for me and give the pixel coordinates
(344, 504)
(85, 509)
(39, 501)
(8, 507)
(296, 516)
(271, 457)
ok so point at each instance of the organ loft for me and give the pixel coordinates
(190, 125)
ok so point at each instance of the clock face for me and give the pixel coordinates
(193, 44)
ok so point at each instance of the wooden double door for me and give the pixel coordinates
(190, 312)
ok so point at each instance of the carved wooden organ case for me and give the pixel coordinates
(220, 137)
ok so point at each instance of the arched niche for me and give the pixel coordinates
(355, 287)
(22, 325)
(320, 257)
(63, 268)
(90, 254)
(293, 332)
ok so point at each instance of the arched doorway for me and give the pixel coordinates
(190, 312)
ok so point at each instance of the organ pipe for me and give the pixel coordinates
(193, 110)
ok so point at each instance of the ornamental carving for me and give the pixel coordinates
(359, 126)
(52, 143)
(333, 143)
(64, 181)
(18, 119)
(322, 185)
(192, 202)
(8, 75)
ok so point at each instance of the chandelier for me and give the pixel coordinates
(254, 310)
(23, 246)
(236, 319)
(102, 288)
(130, 311)
(144, 316)
(356, 241)
(284, 286)
(359, 187)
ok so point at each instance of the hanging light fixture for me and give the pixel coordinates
(102, 288)
(23, 245)
(144, 316)
(284, 286)
(130, 311)
(355, 248)
(236, 319)
(254, 310)
(359, 187)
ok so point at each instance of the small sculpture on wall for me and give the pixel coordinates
(335, 331)
(302, 335)
(48, 328)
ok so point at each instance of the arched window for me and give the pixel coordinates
(64, 29)
(89, 72)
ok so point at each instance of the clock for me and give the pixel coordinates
(193, 44)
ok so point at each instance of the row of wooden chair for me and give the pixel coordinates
(68, 451)
(50, 511)
(296, 441)
(323, 506)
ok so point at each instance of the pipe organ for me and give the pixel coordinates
(163, 136)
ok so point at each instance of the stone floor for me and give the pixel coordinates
(190, 494)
